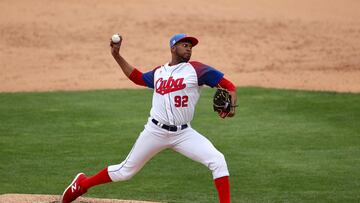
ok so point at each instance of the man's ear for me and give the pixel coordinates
(173, 48)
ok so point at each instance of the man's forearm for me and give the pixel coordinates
(124, 65)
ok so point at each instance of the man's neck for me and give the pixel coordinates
(176, 61)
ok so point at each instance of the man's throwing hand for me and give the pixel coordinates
(115, 47)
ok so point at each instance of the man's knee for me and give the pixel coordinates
(218, 166)
(220, 161)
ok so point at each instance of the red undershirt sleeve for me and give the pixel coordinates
(226, 84)
(136, 77)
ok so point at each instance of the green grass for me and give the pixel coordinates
(282, 146)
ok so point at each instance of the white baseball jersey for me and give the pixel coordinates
(177, 90)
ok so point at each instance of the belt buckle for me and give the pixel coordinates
(172, 128)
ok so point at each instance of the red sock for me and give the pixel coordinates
(100, 178)
(223, 188)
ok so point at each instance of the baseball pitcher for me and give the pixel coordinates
(176, 89)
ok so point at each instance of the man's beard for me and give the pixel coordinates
(184, 57)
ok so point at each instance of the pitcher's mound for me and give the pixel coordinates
(30, 198)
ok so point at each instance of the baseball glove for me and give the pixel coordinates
(222, 101)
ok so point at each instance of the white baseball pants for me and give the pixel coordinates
(154, 139)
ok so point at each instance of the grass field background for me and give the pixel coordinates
(282, 146)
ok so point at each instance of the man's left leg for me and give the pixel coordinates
(198, 148)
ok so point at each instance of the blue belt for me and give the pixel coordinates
(172, 128)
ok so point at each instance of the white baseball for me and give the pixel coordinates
(115, 38)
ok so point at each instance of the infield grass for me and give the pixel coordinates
(282, 146)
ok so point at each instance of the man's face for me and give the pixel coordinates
(183, 50)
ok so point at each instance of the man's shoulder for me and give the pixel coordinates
(156, 68)
(200, 66)
(195, 63)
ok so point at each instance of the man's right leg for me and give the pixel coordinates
(146, 146)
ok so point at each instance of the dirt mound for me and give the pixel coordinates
(31, 198)
(63, 45)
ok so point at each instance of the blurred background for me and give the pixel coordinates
(48, 45)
